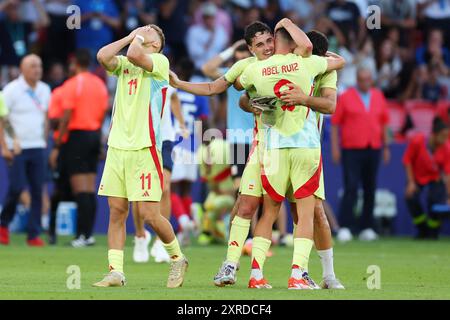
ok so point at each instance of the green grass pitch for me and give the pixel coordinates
(409, 270)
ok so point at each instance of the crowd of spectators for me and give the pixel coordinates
(408, 54)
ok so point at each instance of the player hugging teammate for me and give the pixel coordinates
(285, 159)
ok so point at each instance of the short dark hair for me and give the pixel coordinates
(83, 58)
(284, 34)
(252, 29)
(319, 42)
(438, 125)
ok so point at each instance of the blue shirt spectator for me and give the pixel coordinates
(99, 19)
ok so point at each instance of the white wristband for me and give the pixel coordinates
(141, 38)
(226, 54)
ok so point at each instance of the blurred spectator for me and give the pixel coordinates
(57, 32)
(205, 40)
(436, 15)
(99, 20)
(363, 110)
(56, 75)
(272, 13)
(348, 18)
(172, 18)
(434, 51)
(303, 12)
(27, 100)
(137, 13)
(19, 35)
(429, 88)
(85, 104)
(223, 17)
(389, 66)
(400, 14)
(427, 164)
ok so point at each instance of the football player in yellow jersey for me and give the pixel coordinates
(292, 155)
(215, 171)
(323, 101)
(133, 170)
(260, 41)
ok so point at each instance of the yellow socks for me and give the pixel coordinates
(115, 259)
(259, 250)
(238, 234)
(173, 249)
(302, 249)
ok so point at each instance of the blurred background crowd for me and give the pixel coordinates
(408, 55)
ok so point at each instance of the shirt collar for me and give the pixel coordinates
(25, 84)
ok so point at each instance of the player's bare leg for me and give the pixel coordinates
(158, 252)
(118, 208)
(150, 211)
(142, 237)
(246, 207)
(262, 241)
(303, 242)
(324, 246)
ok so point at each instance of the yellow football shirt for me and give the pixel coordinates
(295, 126)
(139, 103)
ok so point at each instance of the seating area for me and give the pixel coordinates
(412, 116)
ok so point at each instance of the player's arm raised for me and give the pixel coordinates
(304, 45)
(107, 56)
(335, 61)
(325, 104)
(136, 51)
(211, 67)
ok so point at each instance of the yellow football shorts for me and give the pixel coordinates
(296, 168)
(134, 175)
(251, 178)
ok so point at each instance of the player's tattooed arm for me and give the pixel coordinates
(107, 56)
(201, 89)
(325, 104)
(304, 45)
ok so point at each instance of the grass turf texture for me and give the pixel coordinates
(409, 270)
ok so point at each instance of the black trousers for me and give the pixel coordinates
(436, 194)
(359, 166)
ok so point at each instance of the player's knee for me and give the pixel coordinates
(247, 209)
(118, 214)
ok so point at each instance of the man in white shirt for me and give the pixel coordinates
(26, 100)
(205, 40)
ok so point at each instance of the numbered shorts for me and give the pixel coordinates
(251, 178)
(299, 167)
(134, 175)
